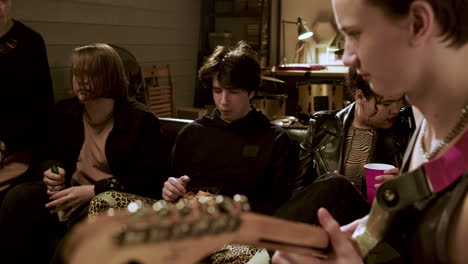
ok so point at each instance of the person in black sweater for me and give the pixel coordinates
(26, 96)
(234, 148)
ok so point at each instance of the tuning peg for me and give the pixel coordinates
(183, 207)
(162, 208)
(243, 202)
(207, 205)
(131, 235)
(111, 211)
(159, 232)
(204, 199)
(225, 204)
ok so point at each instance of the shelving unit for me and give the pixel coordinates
(226, 22)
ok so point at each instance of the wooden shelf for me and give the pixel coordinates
(330, 71)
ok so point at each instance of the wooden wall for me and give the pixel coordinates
(155, 31)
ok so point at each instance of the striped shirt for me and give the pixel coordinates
(358, 145)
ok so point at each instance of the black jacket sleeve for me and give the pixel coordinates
(306, 173)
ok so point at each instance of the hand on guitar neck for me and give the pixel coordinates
(186, 233)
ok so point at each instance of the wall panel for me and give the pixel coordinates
(155, 31)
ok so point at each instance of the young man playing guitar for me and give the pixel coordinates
(416, 48)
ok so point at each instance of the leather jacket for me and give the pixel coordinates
(322, 149)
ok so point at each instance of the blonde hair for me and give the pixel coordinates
(104, 69)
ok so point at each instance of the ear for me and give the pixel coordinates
(251, 94)
(421, 22)
(359, 96)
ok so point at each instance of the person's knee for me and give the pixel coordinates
(25, 195)
(333, 180)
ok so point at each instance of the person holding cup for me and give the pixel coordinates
(375, 175)
(373, 129)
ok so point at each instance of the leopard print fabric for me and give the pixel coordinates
(112, 199)
(234, 254)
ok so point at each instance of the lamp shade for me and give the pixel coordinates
(303, 32)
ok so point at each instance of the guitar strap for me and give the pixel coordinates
(423, 183)
(429, 179)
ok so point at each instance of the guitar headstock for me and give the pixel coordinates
(206, 220)
(185, 232)
(166, 221)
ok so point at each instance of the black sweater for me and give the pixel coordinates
(248, 156)
(135, 150)
(26, 93)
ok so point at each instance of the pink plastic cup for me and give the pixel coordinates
(372, 170)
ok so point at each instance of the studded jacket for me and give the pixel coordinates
(323, 147)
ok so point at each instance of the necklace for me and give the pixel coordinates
(451, 135)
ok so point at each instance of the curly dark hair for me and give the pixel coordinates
(237, 67)
(355, 81)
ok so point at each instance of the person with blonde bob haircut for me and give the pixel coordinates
(97, 141)
(418, 49)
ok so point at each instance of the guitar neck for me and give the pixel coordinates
(274, 233)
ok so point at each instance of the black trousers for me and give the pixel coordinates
(331, 191)
(345, 203)
(29, 233)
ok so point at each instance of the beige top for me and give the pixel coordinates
(92, 163)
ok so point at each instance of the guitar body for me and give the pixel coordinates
(146, 237)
